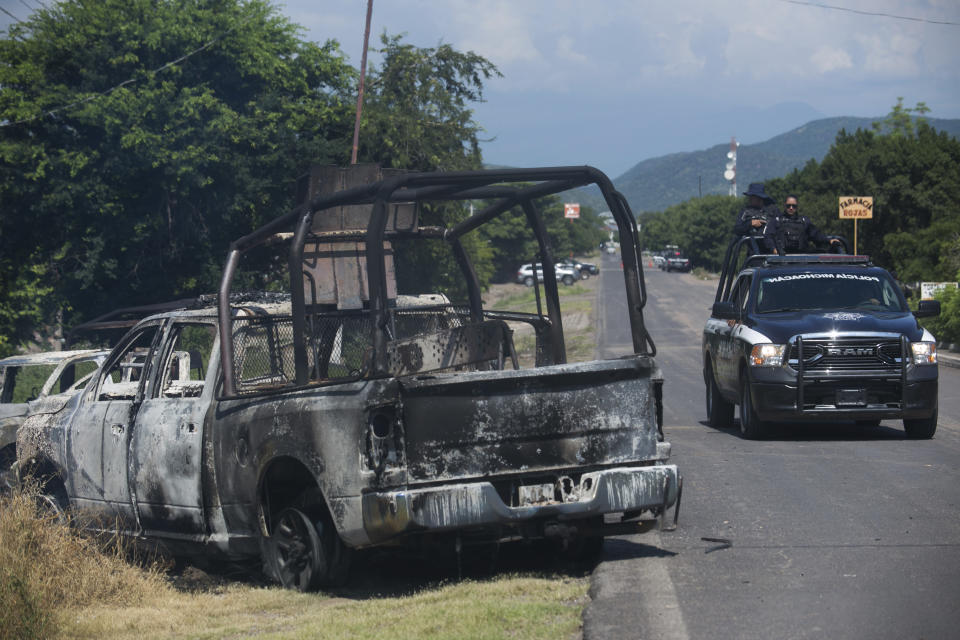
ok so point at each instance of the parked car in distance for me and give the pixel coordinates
(26, 380)
(658, 261)
(585, 269)
(565, 274)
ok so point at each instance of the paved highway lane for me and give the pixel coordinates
(835, 531)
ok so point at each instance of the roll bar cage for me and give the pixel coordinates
(502, 188)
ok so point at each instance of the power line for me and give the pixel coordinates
(94, 96)
(871, 13)
(11, 15)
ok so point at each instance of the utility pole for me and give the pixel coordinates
(363, 77)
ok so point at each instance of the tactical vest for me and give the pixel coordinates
(792, 233)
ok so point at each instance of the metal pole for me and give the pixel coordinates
(363, 76)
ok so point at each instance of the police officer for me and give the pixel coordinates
(794, 231)
(759, 218)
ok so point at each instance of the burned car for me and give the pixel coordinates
(26, 381)
(350, 413)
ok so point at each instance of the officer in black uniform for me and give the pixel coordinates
(794, 231)
(759, 218)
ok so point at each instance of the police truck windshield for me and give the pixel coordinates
(798, 291)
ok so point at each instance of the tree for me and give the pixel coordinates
(141, 136)
(416, 114)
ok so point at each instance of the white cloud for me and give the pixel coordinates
(827, 58)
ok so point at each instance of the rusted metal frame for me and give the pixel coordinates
(550, 289)
(473, 282)
(508, 202)
(224, 324)
(377, 271)
(297, 300)
(641, 337)
(627, 226)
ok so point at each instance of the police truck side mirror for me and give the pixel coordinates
(725, 311)
(927, 309)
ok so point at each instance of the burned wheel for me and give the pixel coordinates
(304, 552)
(719, 411)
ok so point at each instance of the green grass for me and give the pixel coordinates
(525, 301)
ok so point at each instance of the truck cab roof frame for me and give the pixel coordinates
(508, 187)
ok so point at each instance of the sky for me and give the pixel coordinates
(610, 83)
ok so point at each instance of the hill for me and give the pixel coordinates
(656, 183)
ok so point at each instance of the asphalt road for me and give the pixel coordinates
(834, 531)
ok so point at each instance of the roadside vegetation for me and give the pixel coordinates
(141, 137)
(57, 583)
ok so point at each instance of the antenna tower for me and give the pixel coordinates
(731, 171)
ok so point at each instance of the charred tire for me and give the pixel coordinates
(528, 281)
(921, 428)
(52, 502)
(719, 410)
(8, 456)
(304, 551)
(568, 280)
(751, 427)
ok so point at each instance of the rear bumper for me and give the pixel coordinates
(478, 505)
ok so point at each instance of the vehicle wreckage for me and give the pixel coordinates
(348, 414)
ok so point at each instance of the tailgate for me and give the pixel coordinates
(460, 426)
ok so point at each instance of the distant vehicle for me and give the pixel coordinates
(565, 274)
(611, 248)
(27, 380)
(586, 269)
(675, 261)
(658, 261)
(817, 337)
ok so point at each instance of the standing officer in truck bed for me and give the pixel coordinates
(759, 218)
(794, 232)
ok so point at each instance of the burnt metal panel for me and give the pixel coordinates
(473, 425)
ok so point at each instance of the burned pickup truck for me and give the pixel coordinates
(349, 413)
(36, 382)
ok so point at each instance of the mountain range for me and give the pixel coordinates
(656, 183)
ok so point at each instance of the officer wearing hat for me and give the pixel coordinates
(759, 218)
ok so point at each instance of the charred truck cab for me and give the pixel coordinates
(816, 337)
(350, 413)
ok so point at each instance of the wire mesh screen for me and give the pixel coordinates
(339, 344)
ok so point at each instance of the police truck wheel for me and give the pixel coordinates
(719, 411)
(750, 426)
(921, 428)
(584, 274)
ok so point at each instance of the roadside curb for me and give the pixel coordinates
(949, 359)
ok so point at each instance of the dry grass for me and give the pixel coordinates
(46, 567)
(57, 583)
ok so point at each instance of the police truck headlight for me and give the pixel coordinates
(924, 352)
(767, 355)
